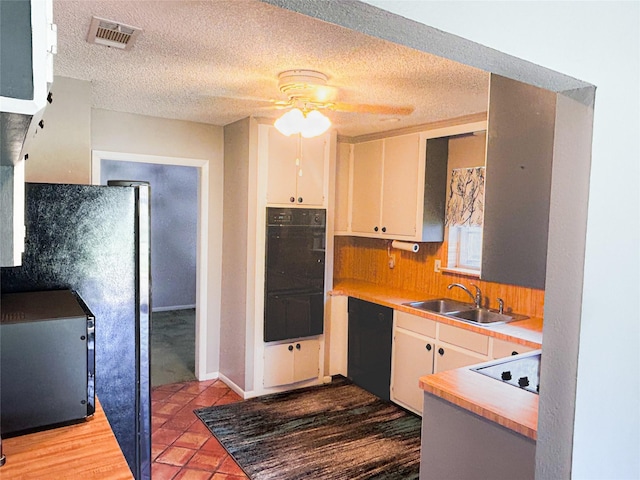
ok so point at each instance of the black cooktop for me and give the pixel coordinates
(522, 371)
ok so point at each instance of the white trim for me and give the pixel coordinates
(202, 251)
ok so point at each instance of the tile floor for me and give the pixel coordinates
(181, 446)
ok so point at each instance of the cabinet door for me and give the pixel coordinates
(448, 357)
(402, 174)
(367, 178)
(281, 176)
(502, 348)
(278, 365)
(310, 174)
(306, 360)
(343, 162)
(412, 359)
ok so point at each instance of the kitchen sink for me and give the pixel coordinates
(466, 312)
(440, 305)
(482, 315)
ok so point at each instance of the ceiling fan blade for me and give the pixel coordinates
(365, 108)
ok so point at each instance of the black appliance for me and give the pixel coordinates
(47, 361)
(294, 273)
(521, 371)
(369, 351)
(95, 240)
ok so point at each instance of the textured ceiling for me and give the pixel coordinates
(218, 61)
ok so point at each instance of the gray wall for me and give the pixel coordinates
(174, 220)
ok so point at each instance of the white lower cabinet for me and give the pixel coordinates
(422, 347)
(412, 359)
(293, 362)
(449, 357)
(503, 348)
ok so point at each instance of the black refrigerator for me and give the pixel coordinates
(95, 240)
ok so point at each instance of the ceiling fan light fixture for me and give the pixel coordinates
(309, 124)
(290, 123)
(315, 124)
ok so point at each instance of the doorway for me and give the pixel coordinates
(178, 241)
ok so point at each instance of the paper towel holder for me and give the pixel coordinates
(406, 246)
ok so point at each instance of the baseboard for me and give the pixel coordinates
(175, 307)
(232, 385)
(208, 376)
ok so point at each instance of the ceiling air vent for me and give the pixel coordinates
(112, 34)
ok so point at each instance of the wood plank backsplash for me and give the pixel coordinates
(366, 259)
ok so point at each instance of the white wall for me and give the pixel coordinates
(61, 152)
(597, 42)
(138, 134)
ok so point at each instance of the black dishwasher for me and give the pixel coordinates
(370, 336)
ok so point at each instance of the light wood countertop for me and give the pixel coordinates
(506, 405)
(524, 332)
(87, 450)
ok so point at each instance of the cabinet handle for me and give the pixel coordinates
(441, 351)
(292, 199)
(298, 346)
(375, 229)
(428, 347)
(291, 348)
(384, 229)
(299, 199)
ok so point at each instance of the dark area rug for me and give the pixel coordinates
(333, 432)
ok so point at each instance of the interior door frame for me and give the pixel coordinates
(201, 237)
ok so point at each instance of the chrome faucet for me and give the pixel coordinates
(477, 298)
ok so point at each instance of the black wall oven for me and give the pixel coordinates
(294, 273)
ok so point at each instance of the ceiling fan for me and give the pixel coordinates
(308, 92)
(310, 89)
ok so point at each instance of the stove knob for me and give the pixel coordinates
(523, 381)
(506, 375)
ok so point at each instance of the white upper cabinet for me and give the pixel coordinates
(27, 44)
(387, 181)
(367, 181)
(396, 186)
(297, 169)
(401, 185)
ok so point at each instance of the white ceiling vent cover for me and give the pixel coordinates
(112, 34)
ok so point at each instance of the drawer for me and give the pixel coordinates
(416, 324)
(502, 348)
(464, 338)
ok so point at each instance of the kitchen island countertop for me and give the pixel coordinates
(504, 404)
(87, 450)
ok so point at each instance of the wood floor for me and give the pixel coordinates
(181, 446)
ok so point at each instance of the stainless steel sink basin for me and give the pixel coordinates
(440, 305)
(465, 311)
(482, 315)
